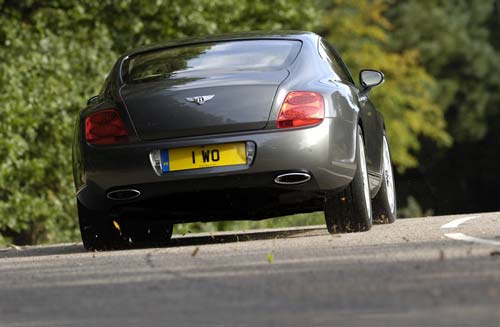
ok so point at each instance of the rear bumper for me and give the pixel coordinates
(325, 151)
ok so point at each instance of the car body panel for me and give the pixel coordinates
(161, 110)
(307, 149)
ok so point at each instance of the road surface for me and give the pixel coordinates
(436, 271)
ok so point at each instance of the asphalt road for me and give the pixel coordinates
(411, 273)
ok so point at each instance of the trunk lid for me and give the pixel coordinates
(241, 101)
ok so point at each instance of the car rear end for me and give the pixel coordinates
(208, 131)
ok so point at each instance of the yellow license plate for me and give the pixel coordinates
(195, 157)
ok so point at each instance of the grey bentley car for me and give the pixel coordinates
(239, 126)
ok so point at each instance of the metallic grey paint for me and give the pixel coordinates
(325, 151)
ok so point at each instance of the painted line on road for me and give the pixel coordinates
(457, 222)
(466, 238)
(470, 239)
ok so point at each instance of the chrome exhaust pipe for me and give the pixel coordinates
(124, 194)
(292, 178)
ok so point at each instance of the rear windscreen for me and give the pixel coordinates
(220, 56)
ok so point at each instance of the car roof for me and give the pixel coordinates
(255, 35)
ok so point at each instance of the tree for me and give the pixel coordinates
(456, 46)
(459, 46)
(47, 72)
(409, 97)
(56, 54)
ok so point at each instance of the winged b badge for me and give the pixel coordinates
(201, 99)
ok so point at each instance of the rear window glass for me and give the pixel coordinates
(221, 56)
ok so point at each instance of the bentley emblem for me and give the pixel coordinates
(201, 99)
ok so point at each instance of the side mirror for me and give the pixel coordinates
(370, 78)
(92, 99)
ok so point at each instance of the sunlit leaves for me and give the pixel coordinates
(56, 54)
(409, 97)
(457, 46)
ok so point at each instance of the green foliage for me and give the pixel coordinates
(459, 46)
(413, 209)
(145, 21)
(439, 57)
(456, 44)
(303, 219)
(48, 69)
(56, 54)
(408, 98)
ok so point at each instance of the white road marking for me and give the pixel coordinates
(466, 238)
(457, 222)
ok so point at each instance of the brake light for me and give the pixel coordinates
(301, 108)
(105, 127)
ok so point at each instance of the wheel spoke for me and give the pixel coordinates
(364, 173)
(388, 176)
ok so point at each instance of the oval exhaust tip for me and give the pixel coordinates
(292, 178)
(124, 194)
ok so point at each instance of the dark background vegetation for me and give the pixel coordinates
(441, 99)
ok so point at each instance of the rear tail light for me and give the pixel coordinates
(301, 108)
(105, 127)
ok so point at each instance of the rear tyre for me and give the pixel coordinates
(384, 203)
(97, 230)
(350, 210)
